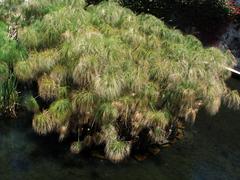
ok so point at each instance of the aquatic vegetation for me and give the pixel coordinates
(156, 119)
(106, 113)
(59, 74)
(10, 53)
(48, 88)
(9, 95)
(4, 71)
(113, 78)
(86, 70)
(29, 37)
(10, 50)
(37, 63)
(42, 123)
(60, 111)
(117, 150)
(232, 99)
(76, 147)
(30, 103)
(83, 102)
(8, 10)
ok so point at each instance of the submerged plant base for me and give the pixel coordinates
(137, 153)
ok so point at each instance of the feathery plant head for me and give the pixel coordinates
(44, 60)
(30, 103)
(60, 111)
(29, 37)
(36, 9)
(213, 105)
(138, 80)
(156, 119)
(37, 63)
(106, 113)
(213, 98)
(232, 99)
(110, 13)
(108, 86)
(48, 88)
(151, 25)
(83, 101)
(158, 134)
(86, 71)
(59, 74)
(132, 37)
(117, 150)
(42, 123)
(150, 94)
(82, 47)
(76, 147)
(24, 71)
(109, 133)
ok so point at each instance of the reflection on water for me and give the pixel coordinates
(210, 151)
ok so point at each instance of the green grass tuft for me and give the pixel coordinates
(30, 103)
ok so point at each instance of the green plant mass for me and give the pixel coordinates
(110, 77)
(10, 53)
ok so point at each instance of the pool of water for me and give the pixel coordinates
(211, 150)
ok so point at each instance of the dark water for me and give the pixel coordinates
(210, 151)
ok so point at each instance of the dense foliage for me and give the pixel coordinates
(9, 10)
(10, 53)
(113, 78)
(108, 75)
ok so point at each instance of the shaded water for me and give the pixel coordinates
(230, 40)
(210, 151)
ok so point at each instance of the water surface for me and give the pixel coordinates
(210, 151)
